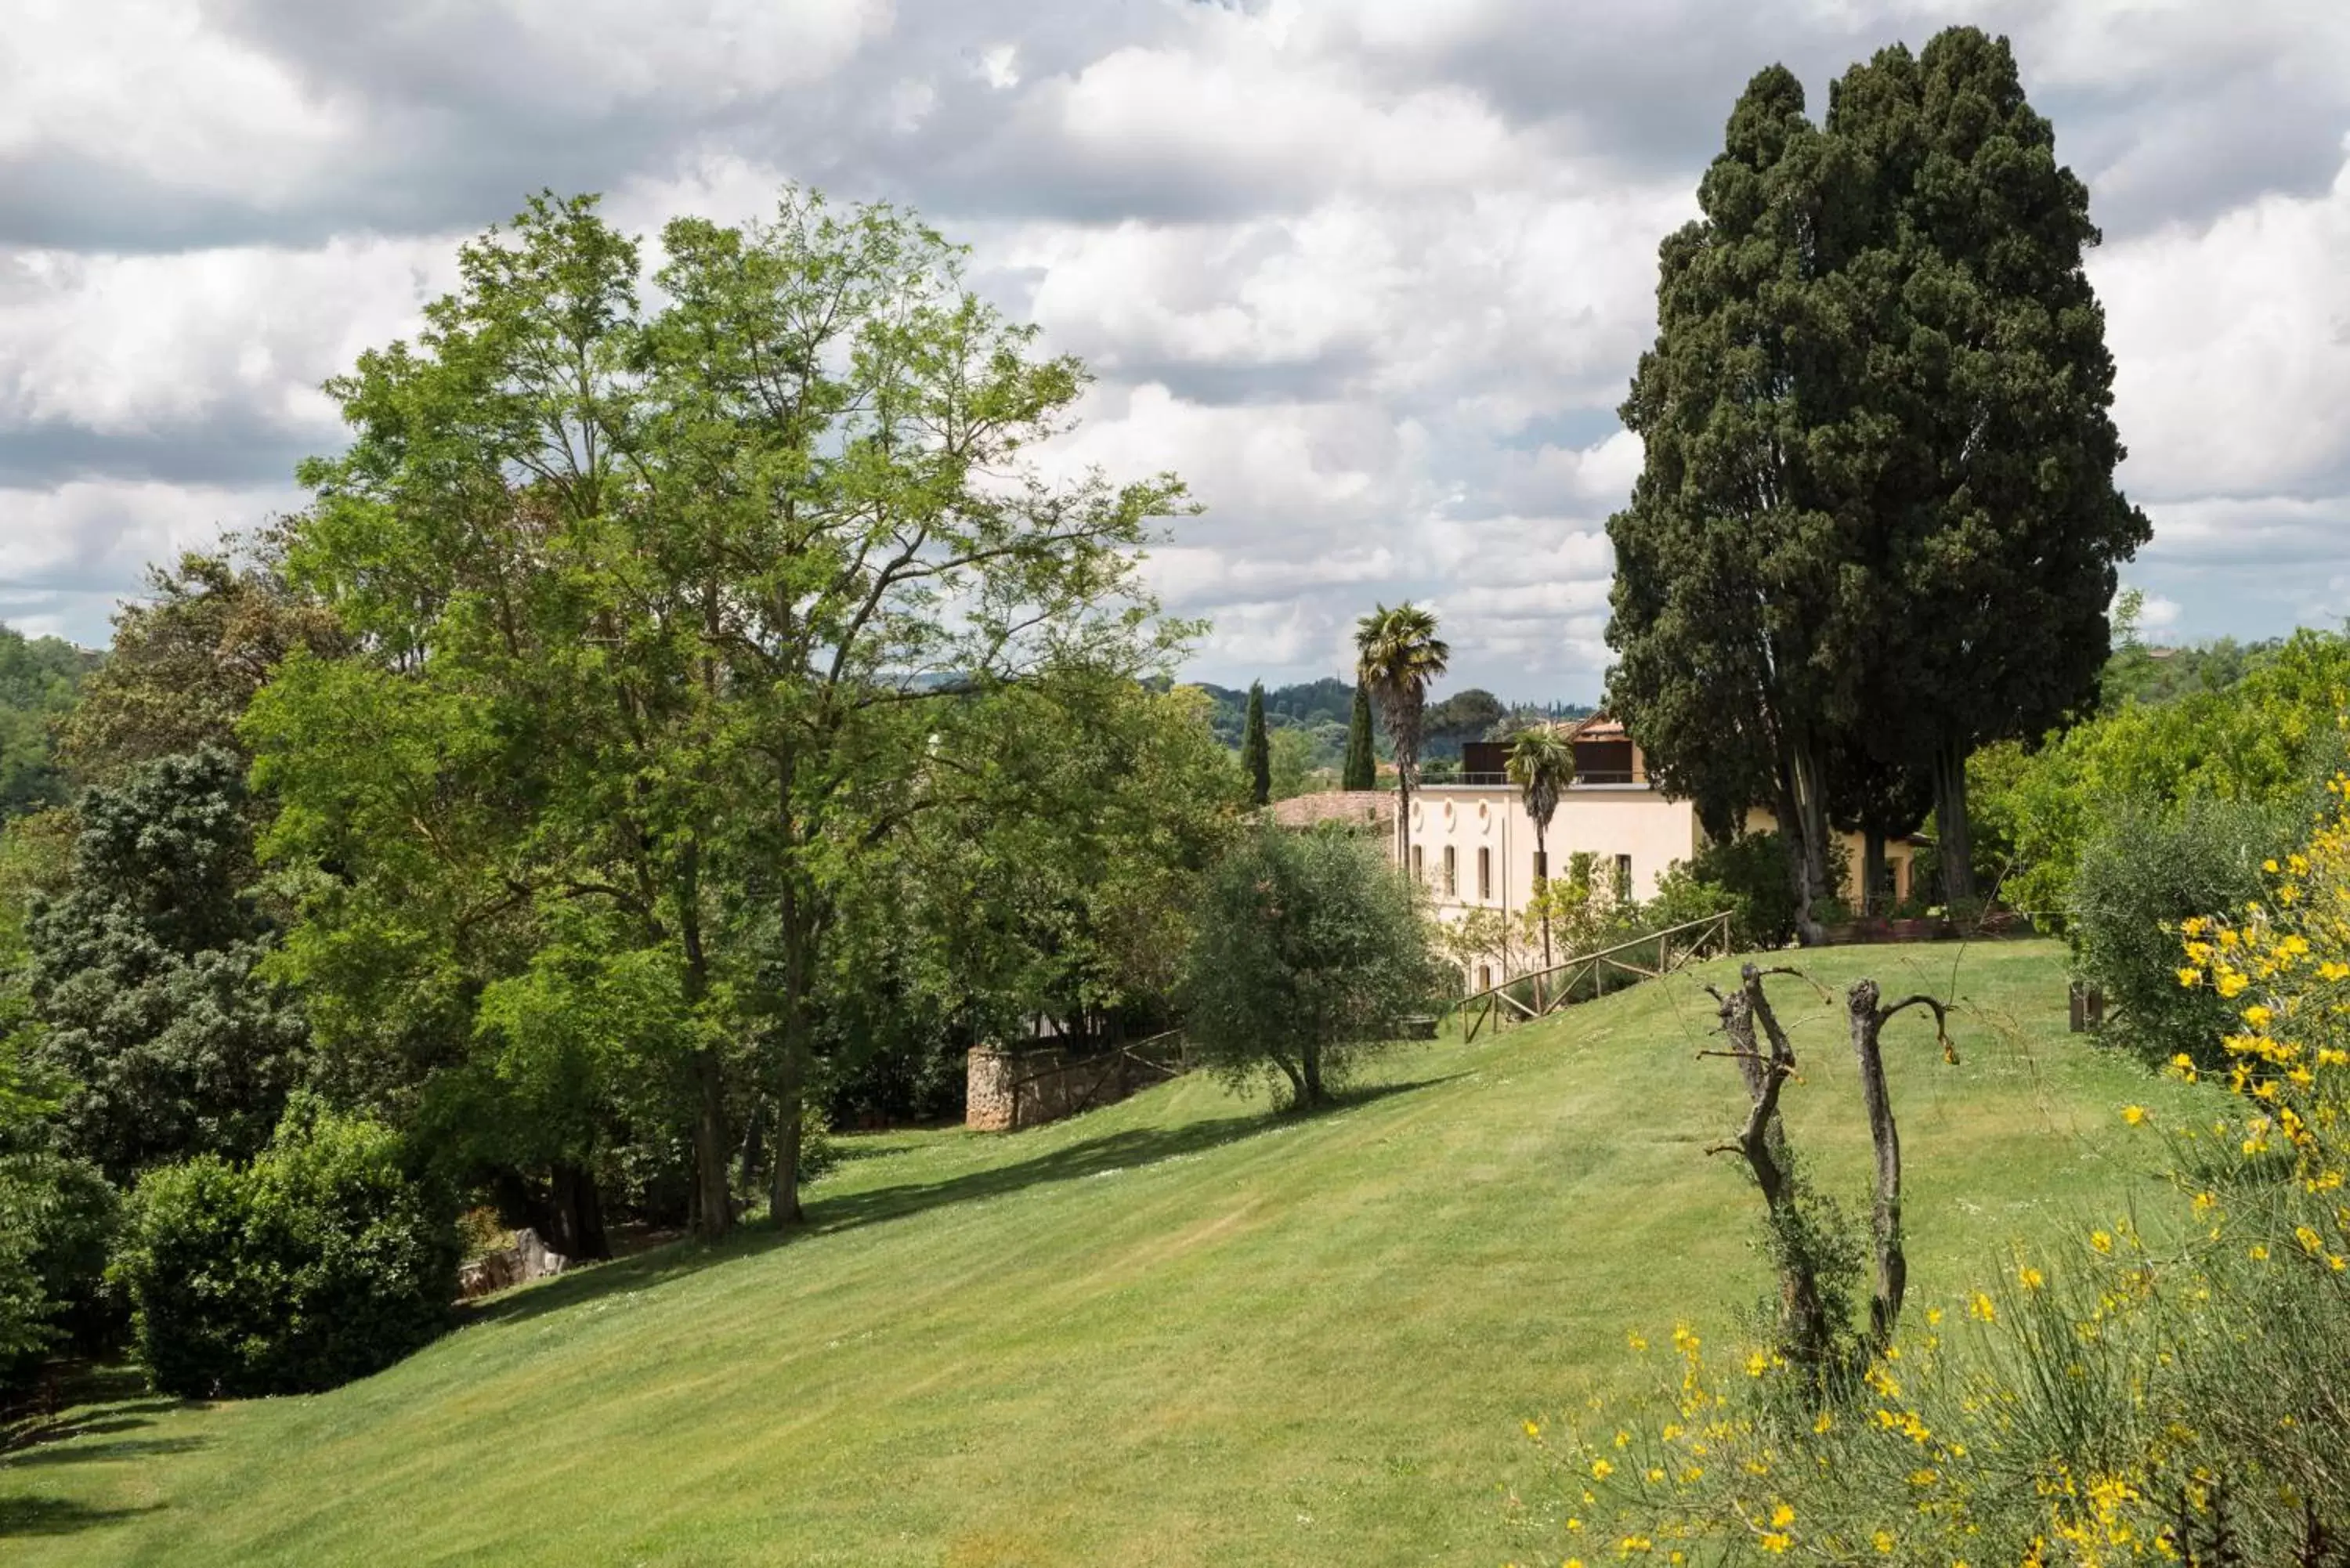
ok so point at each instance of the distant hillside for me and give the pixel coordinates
(1321, 709)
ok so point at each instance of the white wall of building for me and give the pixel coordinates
(1606, 820)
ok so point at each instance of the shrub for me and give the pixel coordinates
(322, 1260)
(2142, 875)
(2118, 1398)
(1311, 951)
(1746, 874)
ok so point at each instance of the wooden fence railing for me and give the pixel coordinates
(1544, 991)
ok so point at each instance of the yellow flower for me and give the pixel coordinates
(1601, 1469)
(2231, 982)
(1636, 1341)
(2258, 1016)
(1757, 1364)
(1883, 1542)
(2188, 977)
(2101, 1240)
(1533, 1430)
(1981, 1307)
(1777, 1541)
(2257, 1253)
(2030, 1277)
(1822, 1421)
(1782, 1517)
(2310, 1241)
(2133, 1114)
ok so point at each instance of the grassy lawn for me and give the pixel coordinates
(1174, 1332)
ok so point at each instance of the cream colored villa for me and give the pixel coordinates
(1473, 845)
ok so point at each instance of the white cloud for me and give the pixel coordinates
(1371, 277)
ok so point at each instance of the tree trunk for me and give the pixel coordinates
(1799, 835)
(1872, 870)
(1403, 817)
(1956, 847)
(1885, 1214)
(578, 1214)
(1766, 1060)
(714, 1209)
(799, 937)
(1310, 1083)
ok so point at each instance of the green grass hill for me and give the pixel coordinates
(1178, 1331)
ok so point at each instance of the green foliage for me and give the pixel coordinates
(38, 677)
(1061, 881)
(2266, 740)
(765, 521)
(186, 662)
(1256, 756)
(322, 1260)
(1362, 769)
(1468, 715)
(58, 1221)
(145, 974)
(2146, 871)
(1291, 770)
(1876, 421)
(1311, 951)
(1747, 875)
(1397, 657)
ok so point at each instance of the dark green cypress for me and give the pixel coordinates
(1256, 748)
(1362, 762)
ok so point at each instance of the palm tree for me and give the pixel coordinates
(1397, 656)
(1542, 766)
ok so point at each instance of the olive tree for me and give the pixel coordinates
(1311, 952)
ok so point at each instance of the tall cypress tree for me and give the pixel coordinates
(1256, 748)
(1362, 762)
(1997, 528)
(1729, 603)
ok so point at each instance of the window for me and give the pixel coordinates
(1624, 878)
(1484, 876)
(1451, 872)
(1418, 864)
(1484, 977)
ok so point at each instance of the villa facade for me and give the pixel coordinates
(1472, 842)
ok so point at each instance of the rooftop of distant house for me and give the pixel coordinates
(1605, 757)
(1359, 807)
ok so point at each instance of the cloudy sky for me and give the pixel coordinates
(1371, 275)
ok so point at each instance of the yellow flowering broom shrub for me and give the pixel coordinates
(2125, 1398)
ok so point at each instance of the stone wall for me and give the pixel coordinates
(1007, 1090)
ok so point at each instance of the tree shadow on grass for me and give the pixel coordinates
(22, 1516)
(1129, 1148)
(83, 1453)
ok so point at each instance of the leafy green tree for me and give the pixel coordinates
(1256, 752)
(1991, 453)
(38, 677)
(2269, 739)
(1058, 880)
(1542, 766)
(1362, 770)
(1397, 657)
(1290, 768)
(1731, 594)
(704, 585)
(1312, 951)
(186, 661)
(1464, 716)
(145, 975)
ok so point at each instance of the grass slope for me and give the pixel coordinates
(1173, 1332)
